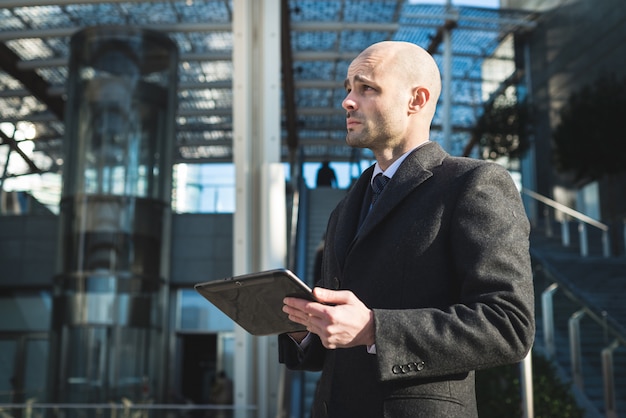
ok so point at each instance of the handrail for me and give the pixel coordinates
(559, 282)
(613, 333)
(290, 382)
(566, 209)
(583, 221)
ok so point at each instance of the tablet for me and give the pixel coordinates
(255, 301)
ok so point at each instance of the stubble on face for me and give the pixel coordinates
(376, 119)
(398, 116)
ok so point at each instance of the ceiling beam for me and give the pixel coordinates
(9, 4)
(436, 40)
(38, 87)
(27, 33)
(9, 62)
(227, 56)
(12, 143)
(221, 111)
(289, 89)
(499, 23)
(334, 26)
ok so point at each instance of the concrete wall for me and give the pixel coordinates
(28, 249)
(201, 249)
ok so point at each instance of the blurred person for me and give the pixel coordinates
(326, 176)
(222, 394)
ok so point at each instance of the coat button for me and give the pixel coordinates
(416, 367)
(408, 368)
(336, 283)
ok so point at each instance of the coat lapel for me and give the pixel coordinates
(410, 175)
(414, 171)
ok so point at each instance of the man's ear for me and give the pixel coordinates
(419, 98)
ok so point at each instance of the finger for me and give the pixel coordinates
(295, 302)
(333, 297)
(296, 315)
(303, 305)
(306, 306)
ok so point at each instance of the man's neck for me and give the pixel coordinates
(387, 157)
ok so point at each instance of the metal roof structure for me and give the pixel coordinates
(324, 36)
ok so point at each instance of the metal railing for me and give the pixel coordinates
(583, 222)
(614, 337)
(614, 334)
(125, 409)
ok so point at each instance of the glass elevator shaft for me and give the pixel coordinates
(109, 306)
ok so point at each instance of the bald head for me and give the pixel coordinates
(392, 92)
(408, 62)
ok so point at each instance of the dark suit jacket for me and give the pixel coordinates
(443, 261)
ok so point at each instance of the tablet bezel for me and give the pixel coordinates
(254, 301)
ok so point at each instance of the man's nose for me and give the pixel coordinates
(348, 103)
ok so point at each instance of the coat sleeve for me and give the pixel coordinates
(491, 321)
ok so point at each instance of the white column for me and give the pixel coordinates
(447, 85)
(529, 161)
(526, 382)
(259, 221)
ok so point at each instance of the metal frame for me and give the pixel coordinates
(322, 134)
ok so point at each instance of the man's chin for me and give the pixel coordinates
(354, 141)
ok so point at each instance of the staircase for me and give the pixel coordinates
(320, 203)
(589, 317)
(316, 206)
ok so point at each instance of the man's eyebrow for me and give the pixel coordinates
(357, 78)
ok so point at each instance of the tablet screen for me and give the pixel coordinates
(255, 301)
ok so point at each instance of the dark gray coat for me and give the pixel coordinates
(443, 261)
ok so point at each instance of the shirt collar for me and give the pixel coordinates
(391, 170)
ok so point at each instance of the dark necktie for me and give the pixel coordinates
(378, 184)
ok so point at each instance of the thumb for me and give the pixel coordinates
(332, 297)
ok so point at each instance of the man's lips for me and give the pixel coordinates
(350, 123)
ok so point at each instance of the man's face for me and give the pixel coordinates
(375, 104)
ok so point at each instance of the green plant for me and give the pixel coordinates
(498, 392)
(500, 131)
(589, 139)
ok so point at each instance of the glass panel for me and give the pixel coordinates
(226, 353)
(35, 370)
(204, 188)
(25, 311)
(85, 366)
(110, 364)
(129, 365)
(7, 361)
(197, 314)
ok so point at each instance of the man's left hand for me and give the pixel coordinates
(338, 317)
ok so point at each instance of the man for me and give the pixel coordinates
(326, 176)
(427, 284)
